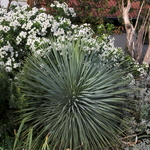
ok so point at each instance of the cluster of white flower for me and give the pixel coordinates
(25, 31)
(68, 11)
(10, 63)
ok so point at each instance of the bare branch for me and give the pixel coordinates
(9, 5)
(128, 5)
(139, 44)
(139, 14)
(122, 3)
(147, 56)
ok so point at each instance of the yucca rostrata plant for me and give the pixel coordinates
(75, 97)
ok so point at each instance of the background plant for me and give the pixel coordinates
(105, 29)
(11, 101)
(16, 143)
(23, 31)
(139, 121)
(31, 28)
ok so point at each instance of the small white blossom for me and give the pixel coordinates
(23, 34)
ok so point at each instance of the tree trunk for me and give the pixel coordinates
(129, 28)
(30, 3)
(139, 45)
(147, 56)
(9, 5)
(134, 43)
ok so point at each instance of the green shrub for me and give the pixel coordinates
(5, 96)
(23, 31)
(74, 97)
(11, 100)
(5, 90)
(138, 120)
(16, 143)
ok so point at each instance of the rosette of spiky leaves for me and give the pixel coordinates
(75, 98)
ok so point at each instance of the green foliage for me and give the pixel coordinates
(131, 66)
(11, 100)
(11, 96)
(138, 119)
(113, 10)
(91, 12)
(74, 97)
(5, 119)
(72, 91)
(105, 29)
(5, 90)
(24, 30)
(17, 143)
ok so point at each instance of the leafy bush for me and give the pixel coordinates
(105, 29)
(23, 31)
(5, 90)
(16, 143)
(76, 95)
(11, 100)
(139, 121)
(5, 97)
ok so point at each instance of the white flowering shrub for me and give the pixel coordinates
(62, 10)
(23, 31)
